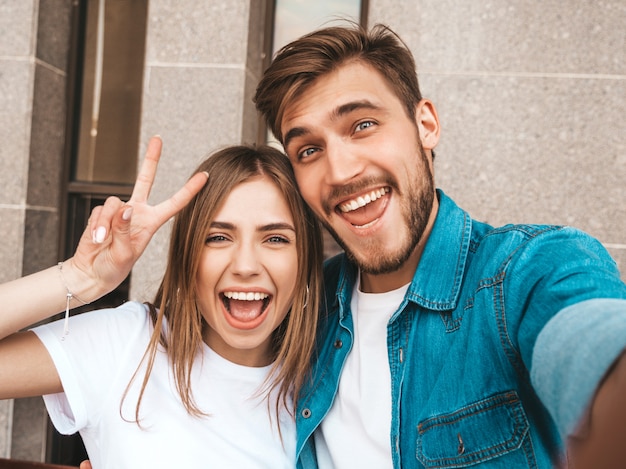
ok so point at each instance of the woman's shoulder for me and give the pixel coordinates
(128, 319)
(129, 312)
(129, 309)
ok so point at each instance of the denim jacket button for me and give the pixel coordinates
(306, 413)
(338, 343)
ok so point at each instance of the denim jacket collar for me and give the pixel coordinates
(437, 280)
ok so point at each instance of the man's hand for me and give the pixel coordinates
(602, 440)
(85, 465)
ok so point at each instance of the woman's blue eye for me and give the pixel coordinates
(215, 238)
(278, 239)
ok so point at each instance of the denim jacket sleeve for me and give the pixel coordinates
(572, 355)
(573, 322)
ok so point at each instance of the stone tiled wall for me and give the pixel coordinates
(16, 83)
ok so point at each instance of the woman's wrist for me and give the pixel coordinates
(80, 287)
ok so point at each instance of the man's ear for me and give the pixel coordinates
(428, 123)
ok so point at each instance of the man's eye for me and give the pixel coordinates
(306, 153)
(363, 125)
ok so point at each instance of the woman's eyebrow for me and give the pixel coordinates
(222, 225)
(276, 226)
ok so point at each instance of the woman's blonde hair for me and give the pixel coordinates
(293, 341)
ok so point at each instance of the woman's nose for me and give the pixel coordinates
(246, 260)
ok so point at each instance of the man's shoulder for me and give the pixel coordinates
(511, 238)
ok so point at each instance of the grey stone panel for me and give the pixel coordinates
(252, 127)
(6, 424)
(16, 27)
(47, 138)
(11, 234)
(502, 36)
(251, 121)
(518, 149)
(188, 31)
(16, 82)
(29, 429)
(256, 38)
(53, 32)
(41, 239)
(195, 110)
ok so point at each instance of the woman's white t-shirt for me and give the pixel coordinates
(96, 361)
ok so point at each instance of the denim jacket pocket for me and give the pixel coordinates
(476, 433)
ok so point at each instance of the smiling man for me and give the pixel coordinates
(447, 342)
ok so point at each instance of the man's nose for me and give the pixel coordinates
(343, 162)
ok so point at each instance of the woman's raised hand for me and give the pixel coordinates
(118, 232)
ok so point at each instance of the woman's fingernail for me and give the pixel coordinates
(127, 214)
(100, 234)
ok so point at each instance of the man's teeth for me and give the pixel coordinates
(362, 201)
(247, 296)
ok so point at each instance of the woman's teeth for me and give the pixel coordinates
(246, 296)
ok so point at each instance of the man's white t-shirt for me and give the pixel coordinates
(96, 361)
(356, 431)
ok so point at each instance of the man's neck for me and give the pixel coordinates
(382, 283)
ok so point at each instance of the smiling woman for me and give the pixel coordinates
(248, 271)
(211, 369)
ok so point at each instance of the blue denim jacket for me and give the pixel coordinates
(461, 343)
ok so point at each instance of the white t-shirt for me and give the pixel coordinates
(355, 433)
(96, 361)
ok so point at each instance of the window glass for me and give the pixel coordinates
(110, 104)
(293, 18)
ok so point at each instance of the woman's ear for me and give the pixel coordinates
(428, 123)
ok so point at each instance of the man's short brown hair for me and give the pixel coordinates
(298, 64)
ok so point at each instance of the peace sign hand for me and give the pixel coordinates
(118, 233)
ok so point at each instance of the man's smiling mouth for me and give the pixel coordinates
(365, 210)
(363, 200)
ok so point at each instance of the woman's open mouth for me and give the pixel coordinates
(245, 307)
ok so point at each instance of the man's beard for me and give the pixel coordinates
(418, 203)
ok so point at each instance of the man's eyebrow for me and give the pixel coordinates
(293, 133)
(354, 106)
(340, 111)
